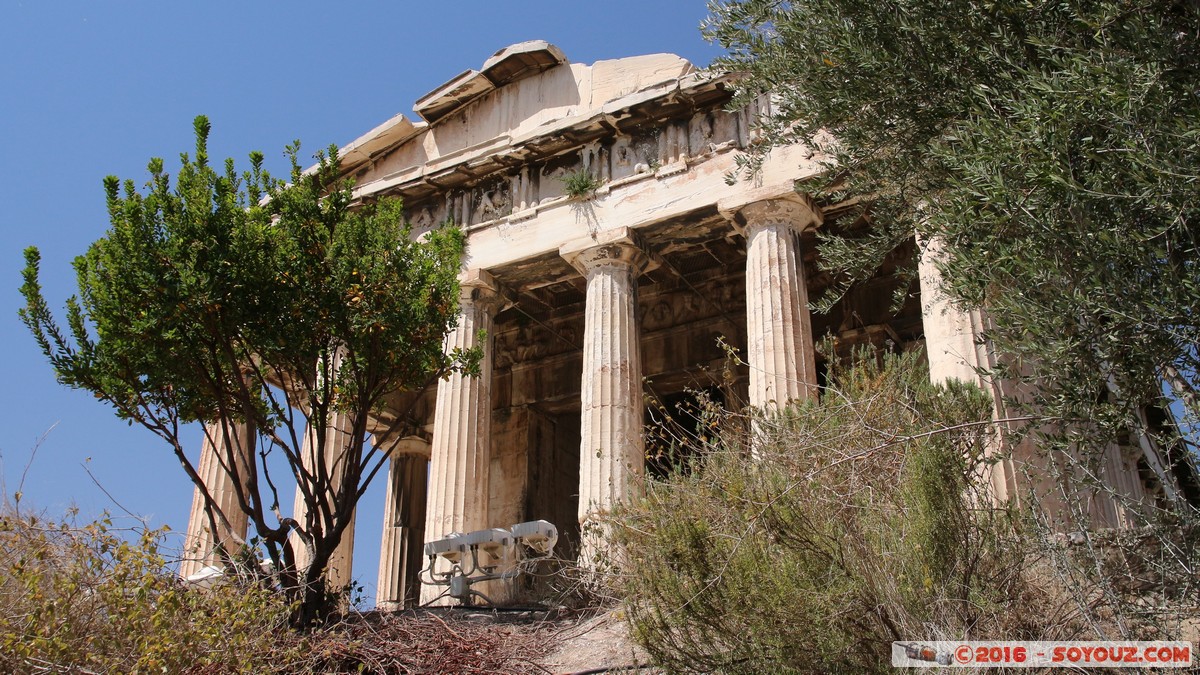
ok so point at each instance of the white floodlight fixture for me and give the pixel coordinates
(206, 577)
(462, 551)
(451, 548)
(494, 542)
(538, 535)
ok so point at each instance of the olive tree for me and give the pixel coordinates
(1050, 148)
(1049, 151)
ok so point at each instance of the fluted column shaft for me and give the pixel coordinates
(401, 550)
(612, 450)
(953, 336)
(461, 450)
(461, 426)
(220, 458)
(779, 349)
(955, 349)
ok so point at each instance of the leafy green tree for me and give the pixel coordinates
(244, 300)
(1051, 148)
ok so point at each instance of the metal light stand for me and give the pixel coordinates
(533, 539)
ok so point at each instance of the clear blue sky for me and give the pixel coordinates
(91, 89)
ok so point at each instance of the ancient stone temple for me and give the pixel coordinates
(608, 261)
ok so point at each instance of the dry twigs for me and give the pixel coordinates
(415, 644)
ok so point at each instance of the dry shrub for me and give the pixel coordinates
(1135, 583)
(93, 599)
(812, 542)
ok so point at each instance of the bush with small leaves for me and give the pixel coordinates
(809, 540)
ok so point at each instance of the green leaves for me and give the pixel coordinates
(1049, 146)
(194, 279)
(854, 522)
(239, 298)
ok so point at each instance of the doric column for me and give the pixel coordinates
(779, 339)
(957, 350)
(460, 455)
(612, 451)
(953, 336)
(220, 457)
(339, 570)
(401, 553)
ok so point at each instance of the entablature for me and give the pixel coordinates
(419, 173)
(498, 157)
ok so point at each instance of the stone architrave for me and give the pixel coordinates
(338, 572)
(779, 340)
(220, 458)
(401, 550)
(612, 450)
(461, 452)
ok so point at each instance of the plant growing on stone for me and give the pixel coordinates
(237, 299)
(580, 184)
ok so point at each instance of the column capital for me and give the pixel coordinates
(796, 210)
(410, 446)
(477, 287)
(477, 277)
(620, 246)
